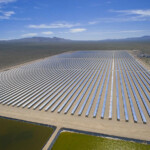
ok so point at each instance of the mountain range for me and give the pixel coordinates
(57, 39)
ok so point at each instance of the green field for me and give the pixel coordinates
(17, 135)
(76, 141)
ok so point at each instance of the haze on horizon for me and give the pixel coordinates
(74, 19)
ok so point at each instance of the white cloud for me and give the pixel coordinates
(6, 14)
(20, 19)
(9, 13)
(122, 19)
(135, 15)
(135, 12)
(47, 33)
(54, 25)
(29, 34)
(6, 1)
(3, 17)
(130, 16)
(112, 33)
(124, 31)
(77, 30)
(92, 22)
(130, 31)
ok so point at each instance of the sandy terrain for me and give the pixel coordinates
(145, 65)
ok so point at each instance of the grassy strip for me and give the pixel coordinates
(76, 141)
(17, 135)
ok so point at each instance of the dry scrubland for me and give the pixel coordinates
(16, 53)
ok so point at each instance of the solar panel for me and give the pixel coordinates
(93, 97)
(100, 93)
(76, 82)
(129, 95)
(136, 98)
(106, 92)
(123, 95)
(140, 93)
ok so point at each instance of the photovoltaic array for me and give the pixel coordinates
(95, 84)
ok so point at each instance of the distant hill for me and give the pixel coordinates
(136, 39)
(143, 38)
(57, 39)
(38, 39)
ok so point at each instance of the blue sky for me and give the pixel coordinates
(74, 19)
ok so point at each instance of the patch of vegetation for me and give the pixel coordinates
(146, 60)
(142, 55)
(18, 135)
(76, 141)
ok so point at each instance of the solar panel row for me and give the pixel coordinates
(98, 84)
